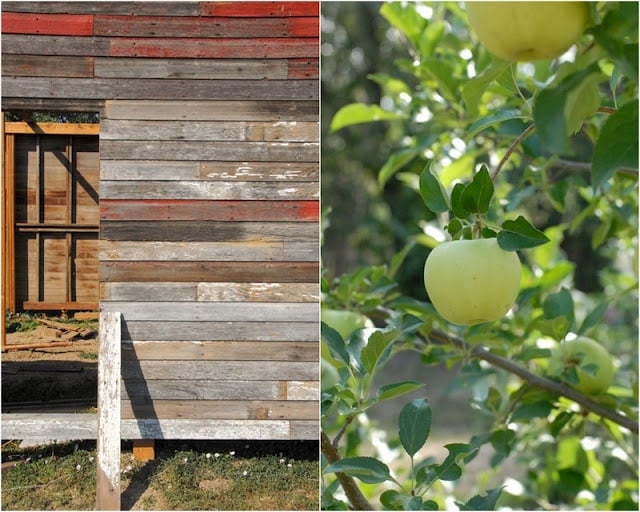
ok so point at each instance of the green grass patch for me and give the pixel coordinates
(248, 475)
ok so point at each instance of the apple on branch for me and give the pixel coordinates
(525, 31)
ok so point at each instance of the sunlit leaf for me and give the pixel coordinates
(432, 192)
(474, 88)
(415, 425)
(367, 469)
(357, 113)
(488, 501)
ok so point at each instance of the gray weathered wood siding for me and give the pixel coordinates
(209, 183)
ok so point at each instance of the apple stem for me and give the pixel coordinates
(476, 230)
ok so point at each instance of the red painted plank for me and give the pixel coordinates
(256, 9)
(222, 48)
(47, 24)
(192, 210)
(161, 26)
(303, 69)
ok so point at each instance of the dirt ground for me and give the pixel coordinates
(75, 351)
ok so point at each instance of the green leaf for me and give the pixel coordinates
(432, 192)
(559, 304)
(367, 469)
(398, 389)
(443, 73)
(594, 317)
(449, 469)
(476, 196)
(617, 145)
(415, 425)
(582, 102)
(613, 34)
(487, 501)
(394, 500)
(457, 207)
(552, 105)
(406, 19)
(529, 411)
(559, 422)
(495, 118)
(394, 163)
(335, 343)
(357, 113)
(473, 89)
(520, 234)
(377, 349)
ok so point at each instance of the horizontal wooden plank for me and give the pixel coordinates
(205, 69)
(269, 191)
(209, 251)
(248, 9)
(232, 110)
(202, 210)
(303, 69)
(175, 292)
(255, 131)
(221, 331)
(69, 427)
(216, 48)
(157, 8)
(215, 311)
(47, 24)
(221, 350)
(303, 390)
(52, 128)
(259, 292)
(203, 389)
(211, 271)
(199, 150)
(45, 65)
(208, 231)
(205, 27)
(222, 409)
(52, 104)
(20, 44)
(177, 90)
(220, 370)
(176, 170)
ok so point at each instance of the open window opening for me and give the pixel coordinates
(50, 286)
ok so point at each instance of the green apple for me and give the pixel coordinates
(472, 281)
(524, 31)
(345, 322)
(593, 365)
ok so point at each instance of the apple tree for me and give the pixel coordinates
(494, 150)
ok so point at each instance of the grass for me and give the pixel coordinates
(24, 322)
(248, 475)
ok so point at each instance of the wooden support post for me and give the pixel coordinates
(108, 476)
(144, 449)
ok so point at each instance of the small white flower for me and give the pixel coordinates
(289, 465)
(208, 455)
(232, 453)
(91, 459)
(282, 461)
(78, 467)
(216, 455)
(185, 460)
(245, 473)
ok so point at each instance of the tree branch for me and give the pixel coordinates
(442, 338)
(351, 489)
(586, 167)
(528, 131)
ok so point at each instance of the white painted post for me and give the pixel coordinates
(108, 446)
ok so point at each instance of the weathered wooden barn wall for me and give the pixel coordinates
(208, 198)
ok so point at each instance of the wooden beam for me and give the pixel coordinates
(53, 128)
(144, 449)
(108, 444)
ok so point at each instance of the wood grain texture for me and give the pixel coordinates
(157, 8)
(205, 27)
(46, 65)
(158, 89)
(215, 48)
(210, 271)
(188, 231)
(195, 69)
(216, 311)
(303, 69)
(194, 150)
(241, 131)
(220, 370)
(221, 351)
(208, 251)
(22, 44)
(234, 109)
(190, 190)
(201, 389)
(221, 331)
(221, 409)
(205, 210)
(250, 9)
(47, 24)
